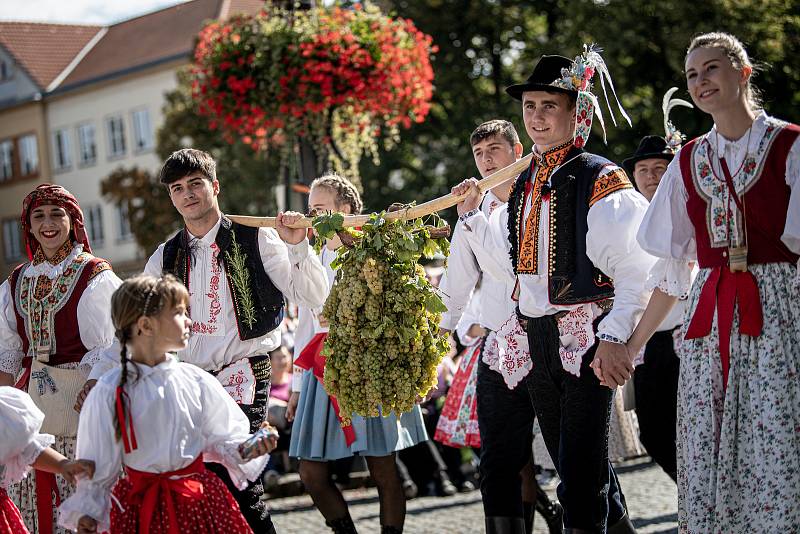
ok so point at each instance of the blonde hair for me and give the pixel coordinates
(140, 296)
(734, 49)
(346, 193)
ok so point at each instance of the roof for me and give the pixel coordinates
(45, 50)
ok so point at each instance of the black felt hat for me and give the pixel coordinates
(546, 72)
(651, 146)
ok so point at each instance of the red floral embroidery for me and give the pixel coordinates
(215, 307)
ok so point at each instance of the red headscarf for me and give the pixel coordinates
(56, 195)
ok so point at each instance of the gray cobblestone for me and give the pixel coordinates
(650, 494)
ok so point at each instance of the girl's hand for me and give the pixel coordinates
(87, 525)
(72, 469)
(291, 408)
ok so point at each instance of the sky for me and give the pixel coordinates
(79, 11)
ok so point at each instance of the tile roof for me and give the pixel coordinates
(44, 50)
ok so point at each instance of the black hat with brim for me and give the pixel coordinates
(650, 147)
(545, 74)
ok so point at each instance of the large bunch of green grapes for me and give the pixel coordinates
(384, 344)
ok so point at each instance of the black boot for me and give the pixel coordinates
(623, 526)
(551, 511)
(387, 529)
(343, 525)
(528, 514)
(505, 525)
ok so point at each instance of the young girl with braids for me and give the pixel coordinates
(22, 446)
(159, 419)
(317, 436)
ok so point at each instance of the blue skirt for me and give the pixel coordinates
(317, 435)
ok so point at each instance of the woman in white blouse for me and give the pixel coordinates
(731, 201)
(54, 324)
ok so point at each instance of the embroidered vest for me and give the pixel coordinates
(52, 319)
(257, 304)
(761, 185)
(574, 188)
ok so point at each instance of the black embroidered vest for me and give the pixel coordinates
(266, 303)
(574, 188)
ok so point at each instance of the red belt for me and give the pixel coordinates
(722, 291)
(150, 489)
(312, 358)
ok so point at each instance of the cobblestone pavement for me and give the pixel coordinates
(651, 497)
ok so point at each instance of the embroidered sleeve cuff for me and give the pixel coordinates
(298, 252)
(11, 362)
(466, 216)
(611, 339)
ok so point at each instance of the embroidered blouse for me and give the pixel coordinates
(666, 230)
(20, 440)
(179, 413)
(93, 312)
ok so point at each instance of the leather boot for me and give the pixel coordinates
(343, 525)
(387, 529)
(623, 526)
(528, 513)
(505, 525)
(551, 511)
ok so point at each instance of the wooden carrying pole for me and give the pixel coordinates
(414, 212)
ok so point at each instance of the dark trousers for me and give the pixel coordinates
(253, 508)
(656, 389)
(505, 420)
(574, 414)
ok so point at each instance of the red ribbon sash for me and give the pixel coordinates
(721, 292)
(311, 358)
(129, 443)
(151, 489)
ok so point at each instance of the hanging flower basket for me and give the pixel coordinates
(343, 79)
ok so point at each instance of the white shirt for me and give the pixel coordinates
(179, 412)
(666, 230)
(493, 300)
(20, 440)
(94, 316)
(215, 341)
(610, 245)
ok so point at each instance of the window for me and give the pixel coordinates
(123, 223)
(86, 144)
(6, 159)
(28, 155)
(116, 137)
(12, 240)
(94, 224)
(62, 155)
(5, 71)
(142, 133)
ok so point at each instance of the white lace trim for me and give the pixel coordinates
(673, 277)
(53, 271)
(89, 499)
(16, 468)
(11, 361)
(227, 454)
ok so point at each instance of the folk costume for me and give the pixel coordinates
(655, 380)
(317, 433)
(505, 408)
(21, 443)
(734, 207)
(178, 417)
(237, 277)
(571, 224)
(54, 327)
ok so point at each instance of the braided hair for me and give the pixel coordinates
(346, 193)
(140, 296)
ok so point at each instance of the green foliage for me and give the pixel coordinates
(236, 262)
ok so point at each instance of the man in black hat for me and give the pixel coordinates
(656, 378)
(571, 229)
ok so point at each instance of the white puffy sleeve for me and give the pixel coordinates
(471, 316)
(611, 246)
(488, 238)
(94, 319)
(96, 442)
(225, 427)
(458, 280)
(791, 232)
(294, 269)
(667, 233)
(10, 343)
(20, 440)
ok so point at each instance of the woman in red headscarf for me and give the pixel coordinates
(54, 324)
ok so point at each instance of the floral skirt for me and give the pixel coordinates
(623, 432)
(739, 449)
(24, 493)
(458, 422)
(216, 511)
(10, 518)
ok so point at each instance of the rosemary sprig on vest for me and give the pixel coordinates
(236, 262)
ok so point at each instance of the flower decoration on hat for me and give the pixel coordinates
(579, 78)
(672, 135)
